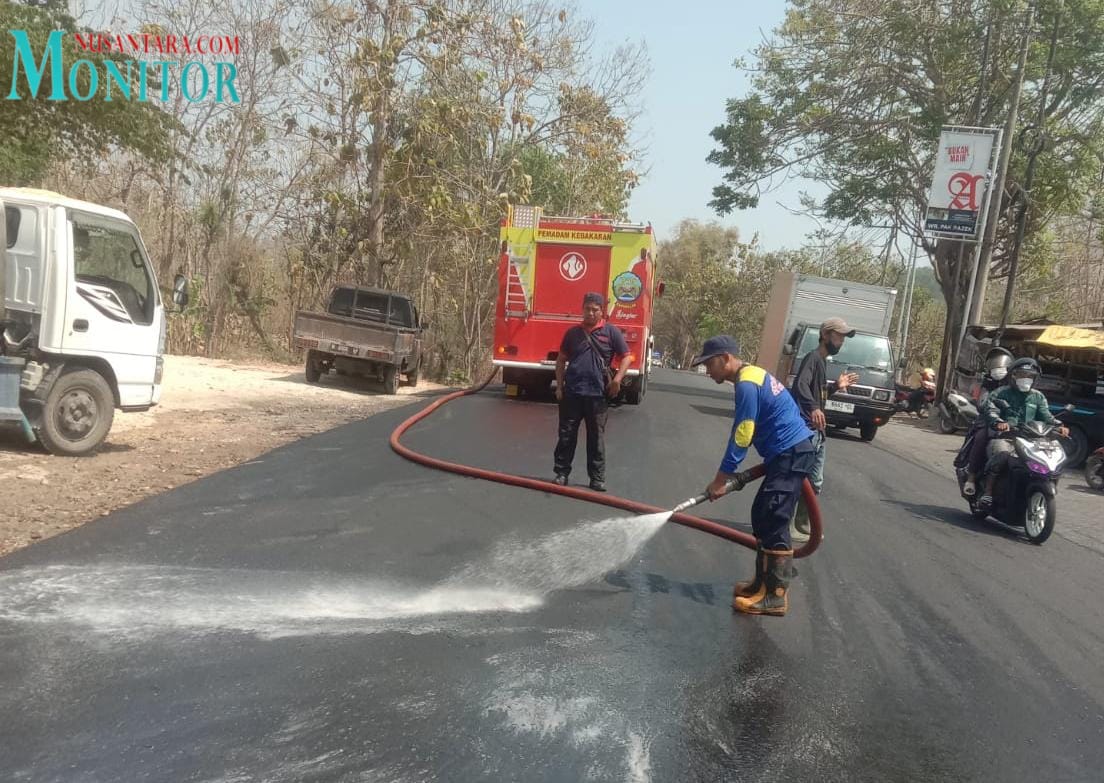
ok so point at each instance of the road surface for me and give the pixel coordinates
(330, 612)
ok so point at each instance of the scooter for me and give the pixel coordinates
(1094, 470)
(1025, 492)
(956, 412)
(904, 392)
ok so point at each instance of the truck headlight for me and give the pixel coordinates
(881, 395)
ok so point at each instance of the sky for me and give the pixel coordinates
(692, 45)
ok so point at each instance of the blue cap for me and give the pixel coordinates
(594, 297)
(715, 346)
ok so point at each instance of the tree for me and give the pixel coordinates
(37, 133)
(853, 93)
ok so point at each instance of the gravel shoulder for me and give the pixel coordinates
(213, 415)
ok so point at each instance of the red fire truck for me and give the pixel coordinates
(546, 265)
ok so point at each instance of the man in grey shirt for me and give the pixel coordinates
(810, 390)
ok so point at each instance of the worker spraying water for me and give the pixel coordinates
(767, 417)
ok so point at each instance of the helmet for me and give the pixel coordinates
(997, 362)
(1025, 367)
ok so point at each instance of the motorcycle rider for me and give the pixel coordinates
(997, 362)
(1021, 404)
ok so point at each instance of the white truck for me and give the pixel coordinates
(82, 326)
(798, 305)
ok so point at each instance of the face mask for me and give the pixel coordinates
(832, 349)
(998, 373)
(1024, 384)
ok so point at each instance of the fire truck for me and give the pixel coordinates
(546, 266)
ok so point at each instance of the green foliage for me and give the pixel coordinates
(36, 133)
(853, 94)
(716, 284)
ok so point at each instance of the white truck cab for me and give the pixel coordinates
(81, 308)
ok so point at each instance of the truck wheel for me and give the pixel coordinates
(635, 396)
(867, 431)
(391, 380)
(77, 415)
(412, 375)
(313, 373)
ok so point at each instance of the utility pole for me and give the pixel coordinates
(1035, 146)
(906, 305)
(997, 188)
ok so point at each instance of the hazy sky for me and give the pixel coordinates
(692, 45)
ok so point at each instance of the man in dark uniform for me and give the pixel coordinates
(766, 416)
(584, 380)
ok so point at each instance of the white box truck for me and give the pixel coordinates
(798, 305)
(82, 326)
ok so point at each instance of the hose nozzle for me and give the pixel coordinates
(737, 482)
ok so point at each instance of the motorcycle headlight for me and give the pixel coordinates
(1036, 467)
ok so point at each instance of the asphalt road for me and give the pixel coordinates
(333, 613)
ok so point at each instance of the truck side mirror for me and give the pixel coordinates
(660, 289)
(902, 363)
(424, 324)
(180, 291)
(788, 349)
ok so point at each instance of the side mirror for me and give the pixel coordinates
(902, 364)
(660, 288)
(180, 291)
(424, 324)
(788, 349)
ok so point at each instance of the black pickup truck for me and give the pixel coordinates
(368, 332)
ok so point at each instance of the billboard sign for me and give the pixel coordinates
(956, 200)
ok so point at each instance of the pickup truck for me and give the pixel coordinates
(368, 332)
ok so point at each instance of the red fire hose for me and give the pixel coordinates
(738, 536)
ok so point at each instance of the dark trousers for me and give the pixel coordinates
(977, 450)
(774, 503)
(916, 400)
(573, 411)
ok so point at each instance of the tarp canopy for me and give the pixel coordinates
(1072, 337)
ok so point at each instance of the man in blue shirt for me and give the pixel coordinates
(583, 382)
(768, 418)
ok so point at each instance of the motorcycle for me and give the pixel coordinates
(904, 392)
(1094, 470)
(1025, 493)
(956, 412)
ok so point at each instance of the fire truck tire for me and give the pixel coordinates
(635, 395)
(77, 415)
(311, 370)
(391, 380)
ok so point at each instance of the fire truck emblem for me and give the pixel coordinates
(572, 267)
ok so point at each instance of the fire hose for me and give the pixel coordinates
(682, 518)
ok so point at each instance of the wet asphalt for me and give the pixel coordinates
(286, 621)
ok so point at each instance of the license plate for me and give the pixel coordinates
(842, 407)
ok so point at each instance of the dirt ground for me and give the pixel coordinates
(213, 415)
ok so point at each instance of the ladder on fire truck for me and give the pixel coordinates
(517, 295)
